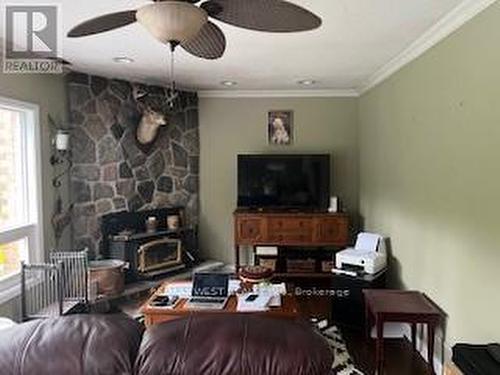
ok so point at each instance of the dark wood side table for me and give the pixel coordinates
(404, 307)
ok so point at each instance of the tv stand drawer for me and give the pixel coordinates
(331, 230)
(249, 230)
(287, 225)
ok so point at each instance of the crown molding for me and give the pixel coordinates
(348, 93)
(460, 15)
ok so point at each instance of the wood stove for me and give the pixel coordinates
(148, 253)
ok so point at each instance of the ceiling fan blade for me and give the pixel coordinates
(186, 1)
(60, 60)
(104, 23)
(209, 44)
(263, 15)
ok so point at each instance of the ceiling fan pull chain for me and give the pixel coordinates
(173, 91)
(172, 69)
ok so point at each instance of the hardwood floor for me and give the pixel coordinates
(399, 356)
(400, 359)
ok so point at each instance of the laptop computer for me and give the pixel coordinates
(210, 291)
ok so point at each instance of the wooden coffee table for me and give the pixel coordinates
(403, 307)
(289, 309)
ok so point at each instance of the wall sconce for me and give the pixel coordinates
(61, 162)
(60, 154)
(61, 140)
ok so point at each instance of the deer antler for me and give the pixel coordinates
(139, 92)
(172, 96)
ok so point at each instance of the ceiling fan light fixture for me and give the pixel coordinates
(172, 21)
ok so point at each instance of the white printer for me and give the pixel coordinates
(368, 255)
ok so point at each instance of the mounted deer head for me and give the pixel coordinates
(151, 120)
(148, 127)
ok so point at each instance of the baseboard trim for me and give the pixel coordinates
(422, 349)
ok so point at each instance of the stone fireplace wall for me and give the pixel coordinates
(112, 171)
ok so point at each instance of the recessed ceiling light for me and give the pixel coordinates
(123, 60)
(306, 82)
(229, 83)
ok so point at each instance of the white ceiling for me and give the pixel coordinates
(358, 37)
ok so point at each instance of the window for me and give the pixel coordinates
(20, 231)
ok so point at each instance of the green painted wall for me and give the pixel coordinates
(229, 127)
(48, 91)
(430, 174)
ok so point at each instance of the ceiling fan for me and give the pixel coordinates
(183, 23)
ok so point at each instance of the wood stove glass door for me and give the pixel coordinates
(159, 254)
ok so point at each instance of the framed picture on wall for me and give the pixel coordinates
(280, 127)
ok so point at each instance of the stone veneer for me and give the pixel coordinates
(111, 171)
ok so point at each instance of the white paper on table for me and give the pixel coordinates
(258, 304)
(275, 301)
(181, 289)
(234, 285)
(275, 291)
(280, 288)
(270, 288)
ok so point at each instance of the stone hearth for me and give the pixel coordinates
(112, 172)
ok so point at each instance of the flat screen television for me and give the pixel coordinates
(284, 181)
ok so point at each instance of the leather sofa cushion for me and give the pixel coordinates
(75, 344)
(240, 344)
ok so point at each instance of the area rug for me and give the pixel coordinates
(342, 364)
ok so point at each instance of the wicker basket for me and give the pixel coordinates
(300, 265)
(327, 265)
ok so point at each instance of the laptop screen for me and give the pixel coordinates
(210, 285)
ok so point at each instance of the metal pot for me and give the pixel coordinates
(107, 277)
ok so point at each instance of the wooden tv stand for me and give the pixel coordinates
(289, 228)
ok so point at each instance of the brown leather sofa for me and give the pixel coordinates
(208, 345)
